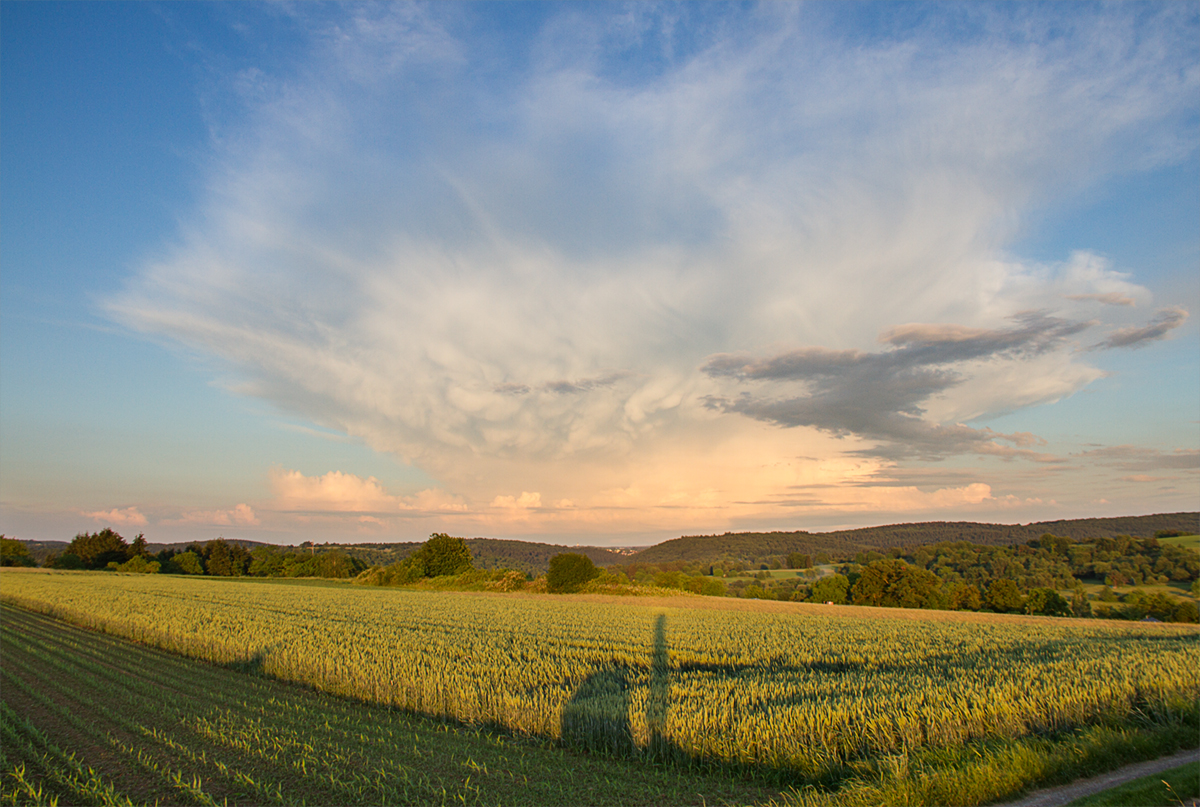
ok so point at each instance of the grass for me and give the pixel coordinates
(1174, 787)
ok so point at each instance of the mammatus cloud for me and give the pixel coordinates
(127, 517)
(1167, 320)
(511, 281)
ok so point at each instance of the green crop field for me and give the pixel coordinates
(829, 705)
(1191, 542)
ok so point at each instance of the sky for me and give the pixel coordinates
(597, 273)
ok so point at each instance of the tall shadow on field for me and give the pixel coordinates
(597, 716)
(660, 695)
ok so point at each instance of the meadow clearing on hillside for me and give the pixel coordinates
(834, 701)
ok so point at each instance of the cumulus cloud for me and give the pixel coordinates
(492, 273)
(344, 493)
(240, 516)
(118, 517)
(525, 501)
(1167, 320)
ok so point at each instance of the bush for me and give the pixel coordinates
(511, 581)
(569, 571)
(138, 564)
(188, 563)
(67, 560)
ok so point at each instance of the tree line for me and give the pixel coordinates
(107, 549)
(1019, 578)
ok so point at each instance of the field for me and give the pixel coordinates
(91, 719)
(824, 704)
(1191, 542)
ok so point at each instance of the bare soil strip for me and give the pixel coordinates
(1065, 794)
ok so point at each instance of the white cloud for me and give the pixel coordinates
(525, 501)
(240, 516)
(118, 517)
(344, 493)
(484, 274)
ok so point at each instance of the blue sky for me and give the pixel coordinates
(596, 273)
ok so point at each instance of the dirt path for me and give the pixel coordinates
(1055, 796)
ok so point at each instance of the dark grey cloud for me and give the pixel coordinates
(1167, 320)
(879, 396)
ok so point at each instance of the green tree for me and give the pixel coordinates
(14, 553)
(798, 560)
(831, 588)
(965, 597)
(1004, 597)
(443, 555)
(1046, 602)
(189, 562)
(266, 561)
(569, 571)
(892, 583)
(1080, 607)
(97, 550)
(219, 560)
(225, 559)
(1185, 611)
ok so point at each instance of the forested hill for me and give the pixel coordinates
(843, 544)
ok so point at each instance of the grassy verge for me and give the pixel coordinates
(1173, 787)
